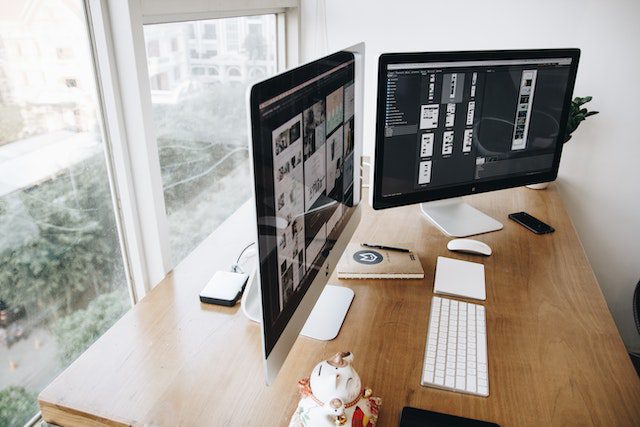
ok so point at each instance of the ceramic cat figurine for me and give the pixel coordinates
(333, 396)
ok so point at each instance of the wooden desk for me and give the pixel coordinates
(555, 356)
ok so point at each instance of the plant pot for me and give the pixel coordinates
(540, 186)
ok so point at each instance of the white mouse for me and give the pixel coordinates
(469, 246)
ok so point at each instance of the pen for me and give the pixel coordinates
(388, 248)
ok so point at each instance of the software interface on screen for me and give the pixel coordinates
(463, 122)
(305, 166)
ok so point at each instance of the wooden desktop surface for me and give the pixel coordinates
(555, 356)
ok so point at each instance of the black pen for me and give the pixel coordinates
(385, 248)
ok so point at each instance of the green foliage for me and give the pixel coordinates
(577, 115)
(77, 331)
(209, 114)
(17, 406)
(61, 244)
(11, 123)
(199, 141)
(255, 45)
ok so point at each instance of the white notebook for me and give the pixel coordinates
(459, 278)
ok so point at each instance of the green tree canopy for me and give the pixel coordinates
(77, 331)
(17, 406)
(61, 240)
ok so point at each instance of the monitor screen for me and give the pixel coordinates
(453, 124)
(303, 155)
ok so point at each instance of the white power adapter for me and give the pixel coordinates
(224, 288)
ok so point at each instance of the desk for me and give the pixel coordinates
(555, 356)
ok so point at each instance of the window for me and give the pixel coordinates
(210, 54)
(234, 72)
(193, 53)
(62, 275)
(64, 53)
(160, 82)
(201, 133)
(153, 48)
(209, 31)
(233, 36)
(174, 45)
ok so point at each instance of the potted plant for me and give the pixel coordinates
(577, 115)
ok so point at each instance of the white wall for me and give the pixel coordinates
(600, 169)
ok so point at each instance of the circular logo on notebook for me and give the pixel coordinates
(368, 257)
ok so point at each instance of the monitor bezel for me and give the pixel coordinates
(380, 202)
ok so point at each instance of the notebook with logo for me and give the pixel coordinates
(359, 262)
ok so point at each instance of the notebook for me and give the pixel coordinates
(459, 278)
(359, 262)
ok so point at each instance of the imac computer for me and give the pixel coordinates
(306, 145)
(451, 124)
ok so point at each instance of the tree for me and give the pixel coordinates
(17, 406)
(61, 243)
(77, 331)
(200, 139)
(255, 45)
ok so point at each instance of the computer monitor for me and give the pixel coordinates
(451, 124)
(306, 127)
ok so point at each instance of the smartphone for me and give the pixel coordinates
(414, 417)
(532, 223)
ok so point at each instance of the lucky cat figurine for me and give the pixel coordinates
(333, 396)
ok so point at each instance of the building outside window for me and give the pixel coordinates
(200, 122)
(233, 35)
(62, 275)
(153, 49)
(209, 31)
(64, 53)
(209, 54)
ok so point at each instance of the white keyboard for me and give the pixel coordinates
(456, 353)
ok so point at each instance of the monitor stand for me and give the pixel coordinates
(325, 319)
(457, 219)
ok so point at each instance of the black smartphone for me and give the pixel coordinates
(532, 223)
(414, 417)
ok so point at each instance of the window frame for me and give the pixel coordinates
(119, 49)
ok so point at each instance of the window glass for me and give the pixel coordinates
(62, 280)
(200, 118)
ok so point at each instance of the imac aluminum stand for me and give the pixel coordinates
(325, 319)
(457, 219)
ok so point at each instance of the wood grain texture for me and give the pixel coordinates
(555, 356)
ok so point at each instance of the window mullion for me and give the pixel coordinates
(117, 27)
(292, 36)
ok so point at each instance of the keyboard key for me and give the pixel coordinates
(482, 353)
(429, 376)
(471, 383)
(450, 381)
